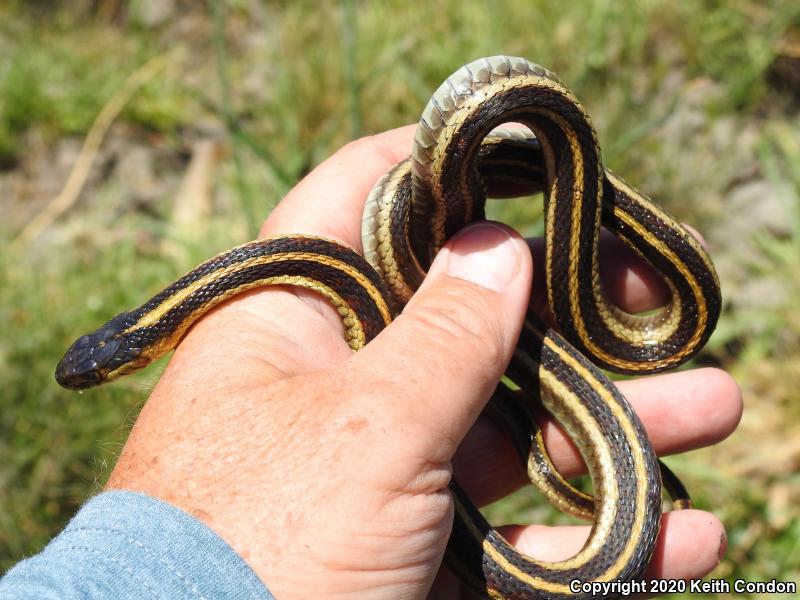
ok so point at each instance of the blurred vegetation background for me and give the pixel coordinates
(140, 137)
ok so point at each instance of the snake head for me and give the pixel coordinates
(96, 357)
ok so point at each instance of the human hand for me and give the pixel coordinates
(327, 471)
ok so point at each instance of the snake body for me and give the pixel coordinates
(459, 157)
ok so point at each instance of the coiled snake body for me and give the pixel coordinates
(458, 159)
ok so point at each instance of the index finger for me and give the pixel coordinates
(329, 201)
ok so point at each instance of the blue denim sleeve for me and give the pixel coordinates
(128, 545)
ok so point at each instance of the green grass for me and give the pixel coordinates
(678, 92)
(53, 83)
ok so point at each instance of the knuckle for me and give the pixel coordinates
(369, 146)
(356, 146)
(463, 319)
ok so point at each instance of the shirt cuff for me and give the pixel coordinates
(129, 545)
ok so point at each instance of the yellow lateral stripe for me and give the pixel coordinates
(354, 328)
(629, 431)
(388, 248)
(544, 483)
(152, 317)
(471, 106)
(602, 522)
(639, 466)
(655, 209)
(562, 401)
(697, 290)
(500, 559)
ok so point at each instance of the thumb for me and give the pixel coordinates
(435, 367)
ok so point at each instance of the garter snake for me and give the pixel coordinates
(458, 159)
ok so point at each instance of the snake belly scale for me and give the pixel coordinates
(459, 158)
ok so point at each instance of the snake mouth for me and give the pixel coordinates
(87, 362)
(71, 378)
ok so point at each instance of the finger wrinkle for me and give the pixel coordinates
(390, 153)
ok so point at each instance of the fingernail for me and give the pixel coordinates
(486, 254)
(723, 546)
